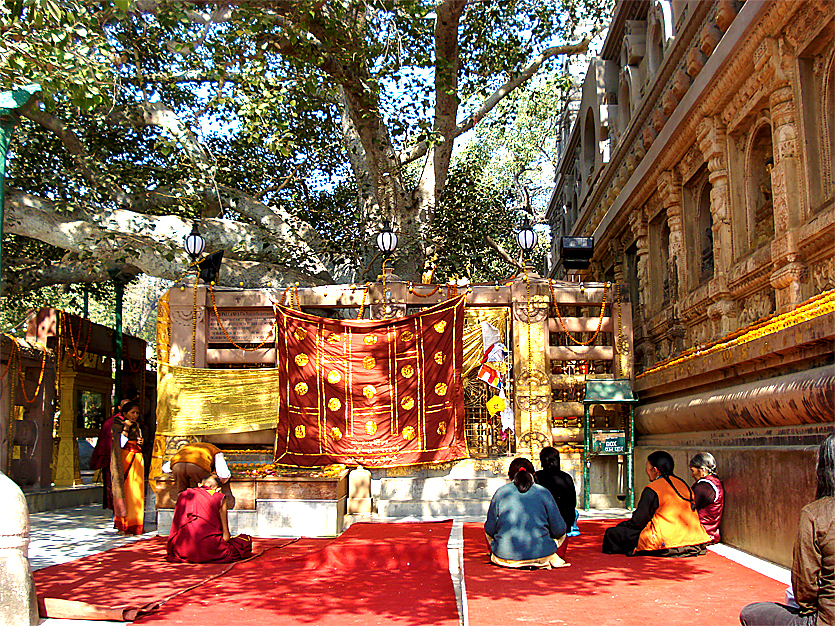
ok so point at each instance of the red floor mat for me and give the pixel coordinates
(120, 583)
(374, 574)
(606, 590)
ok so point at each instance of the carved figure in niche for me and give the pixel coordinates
(761, 211)
(665, 264)
(671, 280)
(707, 253)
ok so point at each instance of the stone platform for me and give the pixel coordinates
(296, 505)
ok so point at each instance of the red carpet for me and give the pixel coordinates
(604, 590)
(375, 573)
(120, 583)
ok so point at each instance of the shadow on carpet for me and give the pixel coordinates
(608, 590)
(373, 574)
(120, 583)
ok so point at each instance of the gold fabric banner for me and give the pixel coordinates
(375, 393)
(193, 401)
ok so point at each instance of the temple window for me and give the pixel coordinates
(590, 147)
(705, 234)
(659, 262)
(760, 206)
(667, 277)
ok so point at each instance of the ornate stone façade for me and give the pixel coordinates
(712, 196)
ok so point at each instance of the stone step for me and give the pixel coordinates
(432, 508)
(438, 488)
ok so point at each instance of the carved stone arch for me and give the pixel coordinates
(660, 29)
(827, 121)
(590, 143)
(759, 213)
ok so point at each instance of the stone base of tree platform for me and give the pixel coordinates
(273, 506)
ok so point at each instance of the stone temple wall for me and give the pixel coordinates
(708, 188)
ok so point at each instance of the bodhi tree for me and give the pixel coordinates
(290, 130)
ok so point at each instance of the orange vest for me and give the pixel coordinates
(201, 453)
(674, 524)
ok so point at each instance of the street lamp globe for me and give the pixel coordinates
(526, 238)
(386, 239)
(194, 243)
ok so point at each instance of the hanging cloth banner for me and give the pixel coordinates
(377, 393)
(193, 401)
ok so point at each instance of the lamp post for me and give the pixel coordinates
(10, 102)
(386, 240)
(387, 243)
(527, 240)
(194, 243)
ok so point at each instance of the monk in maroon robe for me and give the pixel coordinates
(101, 460)
(200, 529)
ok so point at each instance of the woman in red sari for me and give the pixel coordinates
(200, 528)
(128, 471)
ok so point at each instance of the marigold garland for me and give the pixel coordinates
(15, 351)
(423, 295)
(816, 306)
(362, 303)
(562, 323)
(63, 318)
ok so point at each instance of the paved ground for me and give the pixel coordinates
(68, 534)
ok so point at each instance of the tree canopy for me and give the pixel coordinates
(290, 130)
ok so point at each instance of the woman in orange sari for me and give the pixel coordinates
(128, 471)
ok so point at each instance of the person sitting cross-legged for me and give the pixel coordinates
(200, 528)
(561, 486)
(810, 601)
(524, 527)
(665, 523)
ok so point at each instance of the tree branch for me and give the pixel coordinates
(97, 249)
(419, 150)
(502, 253)
(92, 171)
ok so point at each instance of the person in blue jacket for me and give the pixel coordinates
(524, 527)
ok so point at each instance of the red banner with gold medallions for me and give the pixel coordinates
(377, 393)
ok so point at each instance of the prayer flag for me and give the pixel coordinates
(489, 376)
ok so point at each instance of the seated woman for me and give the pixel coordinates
(524, 527)
(812, 596)
(708, 493)
(561, 486)
(200, 528)
(665, 522)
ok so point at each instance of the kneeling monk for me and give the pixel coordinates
(200, 529)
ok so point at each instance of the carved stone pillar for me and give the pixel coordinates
(387, 301)
(67, 468)
(669, 188)
(790, 273)
(189, 326)
(638, 224)
(532, 390)
(713, 144)
(616, 251)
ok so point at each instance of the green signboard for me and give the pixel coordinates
(609, 442)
